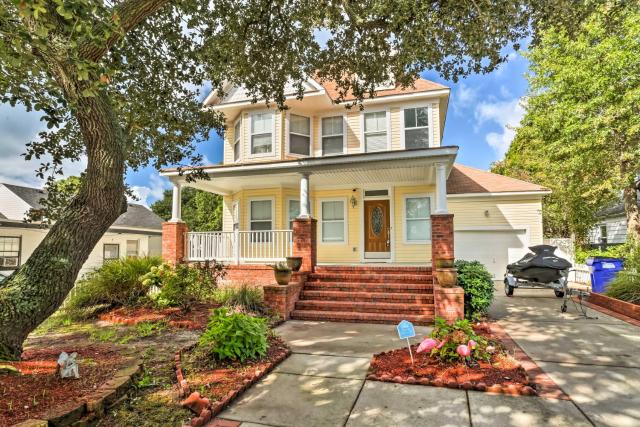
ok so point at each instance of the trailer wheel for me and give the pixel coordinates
(508, 289)
(559, 294)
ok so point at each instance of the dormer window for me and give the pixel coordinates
(332, 135)
(416, 127)
(299, 135)
(236, 141)
(262, 133)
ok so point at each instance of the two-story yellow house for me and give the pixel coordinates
(373, 181)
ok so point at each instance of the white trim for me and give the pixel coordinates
(407, 96)
(429, 107)
(345, 202)
(272, 153)
(319, 152)
(287, 200)
(287, 131)
(387, 111)
(235, 206)
(404, 217)
(504, 194)
(261, 199)
(237, 139)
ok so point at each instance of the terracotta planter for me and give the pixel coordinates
(447, 277)
(445, 263)
(294, 262)
(282, 276)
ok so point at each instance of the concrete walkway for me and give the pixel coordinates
(323, 383)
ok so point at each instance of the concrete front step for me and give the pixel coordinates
(365, 307)
(369, 287)
(349, 316)
(370, 277)
(407, 298)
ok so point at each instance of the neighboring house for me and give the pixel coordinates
(135, 233)
(380, 182)
(611, 228)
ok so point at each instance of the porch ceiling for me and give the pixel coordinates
(347, 171)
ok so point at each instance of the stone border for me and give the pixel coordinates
(94, 406)
(545, 386)
(202, 406)
(614, 307)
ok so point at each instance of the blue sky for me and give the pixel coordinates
(482, 110)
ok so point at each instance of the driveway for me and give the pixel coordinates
(323, 382)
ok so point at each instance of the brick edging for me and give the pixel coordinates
(621, 310)
(208, 409)
(94, 406)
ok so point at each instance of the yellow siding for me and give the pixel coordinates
(396, 128)
(349, 251)
(227, 213)
(353, 132)
(499, 212)
(413, 252)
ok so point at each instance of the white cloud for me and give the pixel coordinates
(507, 115)
(463, 97)
(147, 195)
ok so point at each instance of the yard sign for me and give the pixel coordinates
(406, 331)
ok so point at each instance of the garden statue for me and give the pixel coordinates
(67, 365)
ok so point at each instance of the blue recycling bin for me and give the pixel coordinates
(603, 270)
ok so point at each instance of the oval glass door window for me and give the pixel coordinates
(377, 220)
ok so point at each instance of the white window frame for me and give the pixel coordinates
(104, 248)
(319, 151)
(237, 139)
(429, 107)
(288, 137)
(137, 242)
(288, 200)
(273, 211)
(271, 153)
(405, 229)
(387, 111)
(19, 253)
(345, 237)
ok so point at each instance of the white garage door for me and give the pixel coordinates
(494, 248)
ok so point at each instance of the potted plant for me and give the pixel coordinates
(446, 273)
(282, 272)
(294, 262)
(445, 262)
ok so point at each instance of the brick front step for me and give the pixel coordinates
(407, 298)
(369, 287)
(371, 269)
(371, 278)
(348, 316)
(365, 307)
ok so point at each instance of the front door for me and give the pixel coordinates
(377, 237)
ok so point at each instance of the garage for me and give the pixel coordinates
(493, 248)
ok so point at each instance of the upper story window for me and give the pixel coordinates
(236, 140)
(299, 135)
(262, 133)
(416, 127)
(332, 135)
(9, 252)
(375, 131)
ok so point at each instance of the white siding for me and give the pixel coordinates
(12, 207)
(616, 230)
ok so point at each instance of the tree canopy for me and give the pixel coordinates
(201, 210)
(580, 135)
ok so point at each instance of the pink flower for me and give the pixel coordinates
(463, 350)
(427, 345)
(472, 344)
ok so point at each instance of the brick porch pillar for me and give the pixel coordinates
(304, 242)
(448, 302)
(441, 237)
(174, 241)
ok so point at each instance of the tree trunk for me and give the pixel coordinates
(38, 288)
(630, 200)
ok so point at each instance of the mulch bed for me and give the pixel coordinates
(195, 319)
(500, 374)
(39, 390)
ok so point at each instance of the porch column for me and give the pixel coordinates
(441, 188)
(304, 196)
(176, 203)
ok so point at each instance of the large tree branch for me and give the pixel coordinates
(130, 14)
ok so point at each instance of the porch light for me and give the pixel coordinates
(353, 201)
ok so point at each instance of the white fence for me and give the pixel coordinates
(240, 246)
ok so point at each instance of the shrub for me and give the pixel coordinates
(234, 336)
(248, 298)
(616, 251)
(625, 286)
(116, 283)
(459, 333)
(477, 283)
(182, 285)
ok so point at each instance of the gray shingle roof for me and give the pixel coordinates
(30, 195)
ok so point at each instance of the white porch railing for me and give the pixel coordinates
(240, 246)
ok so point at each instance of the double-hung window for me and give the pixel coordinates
(375, 131)
(417, 217)
(416, 127)
(261, 219)
(262, 133)
(9, 252)
(236, 140)
(293, 211)
(110, 251)
(333, 221)
(133, 248)
(299, 135)
(332, 135)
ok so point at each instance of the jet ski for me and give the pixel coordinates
(540, 268)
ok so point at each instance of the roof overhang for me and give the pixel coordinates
(501, 194)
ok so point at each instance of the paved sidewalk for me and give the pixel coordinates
(323, 382)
